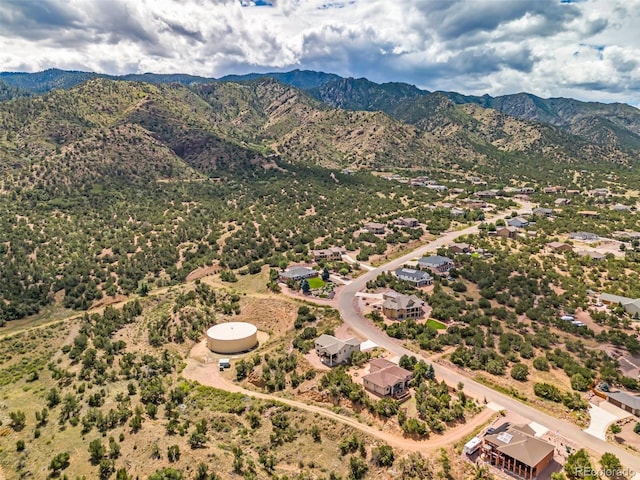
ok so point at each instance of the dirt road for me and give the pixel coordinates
(208, 374)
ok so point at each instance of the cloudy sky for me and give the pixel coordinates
(587, 49)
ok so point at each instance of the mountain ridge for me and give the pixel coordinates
(614, 125)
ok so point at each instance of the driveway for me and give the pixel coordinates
(602, 417)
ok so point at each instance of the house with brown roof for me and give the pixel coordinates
(456, 248)
(596, 256)
(385, 378)
(375, 228)
(333, 254)
(559, 247)
(507, 232)
(474, 204)
(515, 448)
(406, 222)
(589, 213)
(397, 306)
(562, 201)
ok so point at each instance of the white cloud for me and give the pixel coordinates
(587, 49)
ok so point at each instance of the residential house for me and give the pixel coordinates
(562, 201)
(436, 263)
(507, 232)
(527, 190)
(554, 189)
(397, 306)
(584, 236)
(438, 188)
(457, 212)
(456, 248)
(474, 204)
(517, 222)
(486, 194)
(599, 192)
(630, 305)
(375, 228)
(418, 277)
(629, 403)
(297, 273)
(589, 213)
(618, 207)
(542, 212)
(559, 247)
(596, 256)
(332, 351)
(406, 222)
(573, 192)
(385, 378)
(333, 254)
(517, 449)
(457, 190)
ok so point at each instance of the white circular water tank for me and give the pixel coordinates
(232, 337)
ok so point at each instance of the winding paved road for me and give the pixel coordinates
(366, 329)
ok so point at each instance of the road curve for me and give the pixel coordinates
(366, 329)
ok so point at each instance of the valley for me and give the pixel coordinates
(136, 214)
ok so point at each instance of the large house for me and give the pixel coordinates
(629, 403)
(518, 222)
(592, 254)
(387, 379)
(459, 248)
(516, 449)
(333, 254)
(507, 232)
(375, 228)
(406, 222)
(630, 305)
(397, 306)
(297, 273)
(559, 247)
(332, 351)
(436, 263)
(542, 212)
(418, 277)
(584, 236)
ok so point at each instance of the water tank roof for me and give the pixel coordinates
(231, 331)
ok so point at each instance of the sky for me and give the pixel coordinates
(584, 49)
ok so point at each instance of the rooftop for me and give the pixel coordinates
(518, 442)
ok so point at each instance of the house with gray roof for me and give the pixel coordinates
(436, 263)
(584, 236)
(375, 228)
(629, 403)
(630, 305)
(419, 278)
(332, 351)
(542, 212)
(297, 274)
(518, 222)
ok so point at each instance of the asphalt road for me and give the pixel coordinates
(366, 329)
